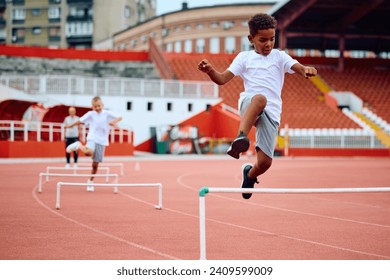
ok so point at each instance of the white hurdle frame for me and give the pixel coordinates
(158, 185)
(74, 175)
(74, 169)
(205, 190)
(105, 164)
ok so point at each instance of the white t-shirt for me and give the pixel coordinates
(98, 125)
(74, 130)
(263, 75)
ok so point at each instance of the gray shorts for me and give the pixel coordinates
(266, 129)
(98, 151)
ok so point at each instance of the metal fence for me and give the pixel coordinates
(45, 131)
(73, 85)
(331, 138)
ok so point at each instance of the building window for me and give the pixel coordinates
(214, 24)
(200, 44)
(169, 106)
(127, 12)
(188, 46)
(214, 45)
(79, 29)
(150, 106)
(35, 12)
(177, 46)
(230, 44)
(18, 35)
(189, 107)
(36, 30)
(165, 32)
(54, 12)
(19, 14)
(200, 26)
(129, 105)
(245, 44)
(169, 47)
(54, 34)
(227, 24)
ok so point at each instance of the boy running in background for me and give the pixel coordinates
(99, 122)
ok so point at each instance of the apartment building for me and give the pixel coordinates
(2, 22)
(68, 23)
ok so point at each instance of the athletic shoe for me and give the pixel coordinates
(74, 165)
(73, 147)
(90, 187)
(238, 146)
(246, 181)
(67, 165)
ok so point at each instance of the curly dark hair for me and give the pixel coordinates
(261, 21)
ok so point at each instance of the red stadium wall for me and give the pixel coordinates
(33, 149)
(74, 54)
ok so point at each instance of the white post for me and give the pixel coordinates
(40, 183)
(202, 227)
(50, 132)
(25, 131)
(58, 195)
(12, 131)
(286, 140)
(159, 206)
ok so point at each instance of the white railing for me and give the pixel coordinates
(330, 138)
(74, 85)
(45, 131)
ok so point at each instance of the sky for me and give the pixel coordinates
(167, 6)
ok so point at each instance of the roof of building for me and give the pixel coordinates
(318, 24)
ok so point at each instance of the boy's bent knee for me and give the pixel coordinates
(260, 99)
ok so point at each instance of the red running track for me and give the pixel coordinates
(107, 226)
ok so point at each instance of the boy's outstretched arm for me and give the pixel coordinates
(115, 121)
(219, 78)
(305, 71)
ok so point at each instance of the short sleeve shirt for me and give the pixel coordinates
(98, 125)
(264, 75)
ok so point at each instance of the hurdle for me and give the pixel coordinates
(158, 185)
(73, 175)
(74, 169)
(105, 164)
(205, 190)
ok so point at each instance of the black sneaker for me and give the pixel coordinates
(246, 181)
(238, 146)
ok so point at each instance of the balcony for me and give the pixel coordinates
(54, 20)
(17, 40)
(79, 40)
(3, 22)
(54, 39)
(79, 2)
(2, 6)
(79, 18)
(18, 2)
